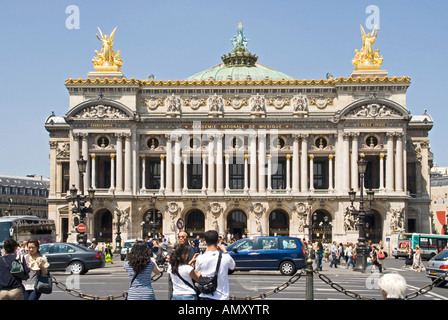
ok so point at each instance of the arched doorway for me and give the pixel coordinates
(322, 226)
(152, 223)
(278, 223)
(195, 223)
(237, 223)
(374, 230)
(103, 226)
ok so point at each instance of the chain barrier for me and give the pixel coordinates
(263, 295)
(355, 295)
(278, 289)
(79, 294)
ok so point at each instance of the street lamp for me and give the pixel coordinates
(79, 201)
(118, 238)
(361, 250)
(154, 222)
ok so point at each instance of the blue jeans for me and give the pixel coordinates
(31, 295)
(350, 261)
(184, 297)
(333, 261)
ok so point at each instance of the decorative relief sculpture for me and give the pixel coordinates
(278, 102)
(101, 112)
(258, 209)
(301, 214)
(373, 111)
(215, 105)
(63, 150)
(122, 218)
(194, 102)
(257, 106)
(350, 221)
(397, 220)
(173, 210)
(151, 103)
(173, 106)
(215, 209)
(237, 102)
(299, 105)
(321, 102)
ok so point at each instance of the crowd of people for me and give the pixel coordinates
(33, 264)
(345, 255)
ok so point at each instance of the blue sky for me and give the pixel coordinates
(174, 39)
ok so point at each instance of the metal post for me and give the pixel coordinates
(309, 280)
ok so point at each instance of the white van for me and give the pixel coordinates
(126, 248)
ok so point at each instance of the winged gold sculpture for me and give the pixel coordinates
(367, 58)
(107, 60)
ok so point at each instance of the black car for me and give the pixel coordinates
(71, 257)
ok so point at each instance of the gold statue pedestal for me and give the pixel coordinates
(368, 71)
(106, 72)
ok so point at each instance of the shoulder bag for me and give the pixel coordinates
(208, 285)
(190, 285)
(17, 269)
(132, 281)
(43, 284)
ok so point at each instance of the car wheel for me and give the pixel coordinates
(287, 268)
(76, 267)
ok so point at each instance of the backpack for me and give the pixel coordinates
(208, 285)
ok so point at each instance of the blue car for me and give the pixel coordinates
(286, 254)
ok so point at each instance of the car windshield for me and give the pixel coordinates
(244, 245)
(128, 244)
(442, 256)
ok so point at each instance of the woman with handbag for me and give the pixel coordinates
(382, 257)
(182, 274)
(410, 258)
(140, 266)
(38, 265)
(11, 287)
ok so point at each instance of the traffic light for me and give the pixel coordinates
(445, 229)
(81, 238)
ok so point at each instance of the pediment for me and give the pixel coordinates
(101, 109)
(374, 109)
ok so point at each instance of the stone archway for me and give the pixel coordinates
(152, 223)
(102, 230)
(278, 223)
(237, 223)
(195, 223)
(374, 226)
(322, 226)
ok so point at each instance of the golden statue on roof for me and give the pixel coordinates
(367, 58)
(107, 60)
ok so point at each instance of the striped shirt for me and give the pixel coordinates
(141, 288)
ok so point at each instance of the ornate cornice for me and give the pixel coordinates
(296, 82)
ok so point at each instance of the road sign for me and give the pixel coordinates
(180, 223)
(82, 227)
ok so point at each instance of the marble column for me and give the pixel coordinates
(169, 164)
(227, 187)
(219, 163)
(85, 154)
(288, 173)
(381, 172)
(177, 165)
(204, 174)
(312, 173)
(399, 162)
(162, 174)
(74, 157)
(93, 161)
(128, 164)
(59, 177)
(330, 173)
(269, 173)
(295, 164)
(143, 159)
(354, 161)
(246, 171)
(120, 161)
(346, 163)
(253, 163)
(390, 162)
(211, 165)
(185, 188)
(112, 173)
(261, 162)
(304, 164)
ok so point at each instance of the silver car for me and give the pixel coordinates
(437, 267)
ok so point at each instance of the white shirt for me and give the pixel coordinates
(206, 263)
(180, 287)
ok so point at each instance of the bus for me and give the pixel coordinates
(23, 228)
(430, 244)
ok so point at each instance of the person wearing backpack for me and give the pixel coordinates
(11, 287)
(214, 261)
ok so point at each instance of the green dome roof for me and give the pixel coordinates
(239, 65)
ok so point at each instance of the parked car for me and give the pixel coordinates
(286, 254)
(126, 248)
(437, 266)
(72, 257)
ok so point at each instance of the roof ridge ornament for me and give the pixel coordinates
(239, 41)
(240, 56)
